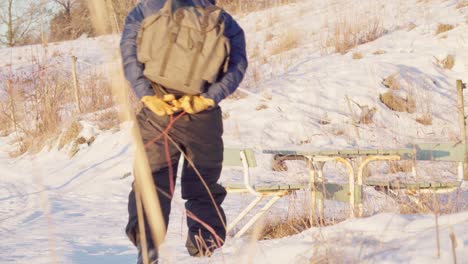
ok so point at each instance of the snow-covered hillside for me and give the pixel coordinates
(59, 210)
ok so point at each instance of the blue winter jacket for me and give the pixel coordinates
(133, 69)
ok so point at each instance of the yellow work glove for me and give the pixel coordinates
(167, 105)
(193, 104)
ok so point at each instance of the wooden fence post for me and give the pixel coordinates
(462, 123)
(75, 84)
(12, 106)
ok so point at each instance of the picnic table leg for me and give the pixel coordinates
(321, 218)
(244, 212)
(360, 175)
(352, 194)
(257, 216)
(313, 190)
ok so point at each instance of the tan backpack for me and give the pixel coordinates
(183, 49)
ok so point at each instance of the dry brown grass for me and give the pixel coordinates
(349, 31)
(367, 115)
(462, 4)
(441, 28)
(107, 120)
(357, 56)
(397, 103)
(43, 101)
(246, 6)
(425, 119)
(448, 62)
(400, 166)
(392, 82)
(269, 37)
(379, 52)
(296, 221)
(285, 227)
(288, 41)
(71, 134)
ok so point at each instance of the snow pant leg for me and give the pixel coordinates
(156, 154)
(204, 148)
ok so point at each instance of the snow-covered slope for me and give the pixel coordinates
(57, 210)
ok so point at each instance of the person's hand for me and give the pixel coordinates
(193, 104)
(167, 105)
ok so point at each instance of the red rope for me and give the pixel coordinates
(169, 126)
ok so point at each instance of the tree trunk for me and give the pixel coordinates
(10, 34)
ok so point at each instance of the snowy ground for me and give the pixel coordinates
(57, 210)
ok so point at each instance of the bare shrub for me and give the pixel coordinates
(43, 101)
(72, 23)
(286, 42)
(441, 28)
(107, 120)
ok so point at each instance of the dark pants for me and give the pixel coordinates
(200, 136)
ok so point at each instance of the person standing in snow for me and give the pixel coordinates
(183, 56)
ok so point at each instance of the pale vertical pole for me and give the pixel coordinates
(462, 122)
(75, 84)
(12, 106)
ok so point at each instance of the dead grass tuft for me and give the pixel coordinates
(392, 82)
(425, 119)
(107, 120)
(400, 166)
(441, 28)
(283, 228)
(347, 32)
(462, 4)
(246, 6)
(448, 62)
(357, 56)
(367, 115)
(397, 103)
(286, 42)
(379, 52)
(70, 134)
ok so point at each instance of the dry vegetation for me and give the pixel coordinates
(246, 6)
(351, 30)
(38, 103)
(447, 63)
(392, 82)
(441, 28)
(357, 56)
(74, 20)
(425, 119)
(462, 4)
(288, 41)
(397, 103)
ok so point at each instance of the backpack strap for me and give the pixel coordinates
(200, 44)
(167, 6)
(179, 16)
